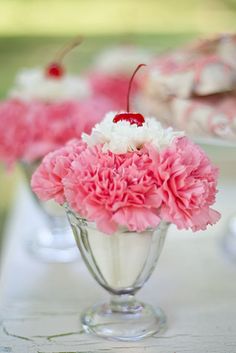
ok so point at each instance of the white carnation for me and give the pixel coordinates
(33, 84)
(122, 137)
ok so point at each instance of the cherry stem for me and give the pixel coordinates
(67, 48)
(130, 84)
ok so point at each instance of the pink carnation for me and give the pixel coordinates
(28, 131)
(47, 180)
(135, 189)
(187, 182)
(55, 124)
(113, 86)
(13, 130)
(51, 125)
(114, 189)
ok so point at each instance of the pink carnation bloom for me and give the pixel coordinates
(113, 86)
(135, 189)
(187, 182)
(55, 124)
(28, 131)
(46, 182)
(13, 131)
(51, 125)
(114, 189)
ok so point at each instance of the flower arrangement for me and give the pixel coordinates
(129, 178)
(166, 178)
(45, 109)
(28, 131)
(193, 88)
(131, 172)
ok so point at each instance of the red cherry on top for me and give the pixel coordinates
(132, 118)
(54, 70)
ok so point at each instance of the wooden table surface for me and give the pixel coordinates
(194, 282)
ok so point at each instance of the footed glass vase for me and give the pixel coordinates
(53, 241)
(121, 263)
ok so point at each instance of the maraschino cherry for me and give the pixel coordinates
(55, 69)
(132, 118)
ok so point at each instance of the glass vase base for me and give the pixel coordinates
(51, 248)
(129, 325)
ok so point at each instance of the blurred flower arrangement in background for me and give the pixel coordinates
(193, 88)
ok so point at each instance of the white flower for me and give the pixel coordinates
(121, 59)
(33, 84)
(122, 137)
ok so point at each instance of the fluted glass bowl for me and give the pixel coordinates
(121, 263)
